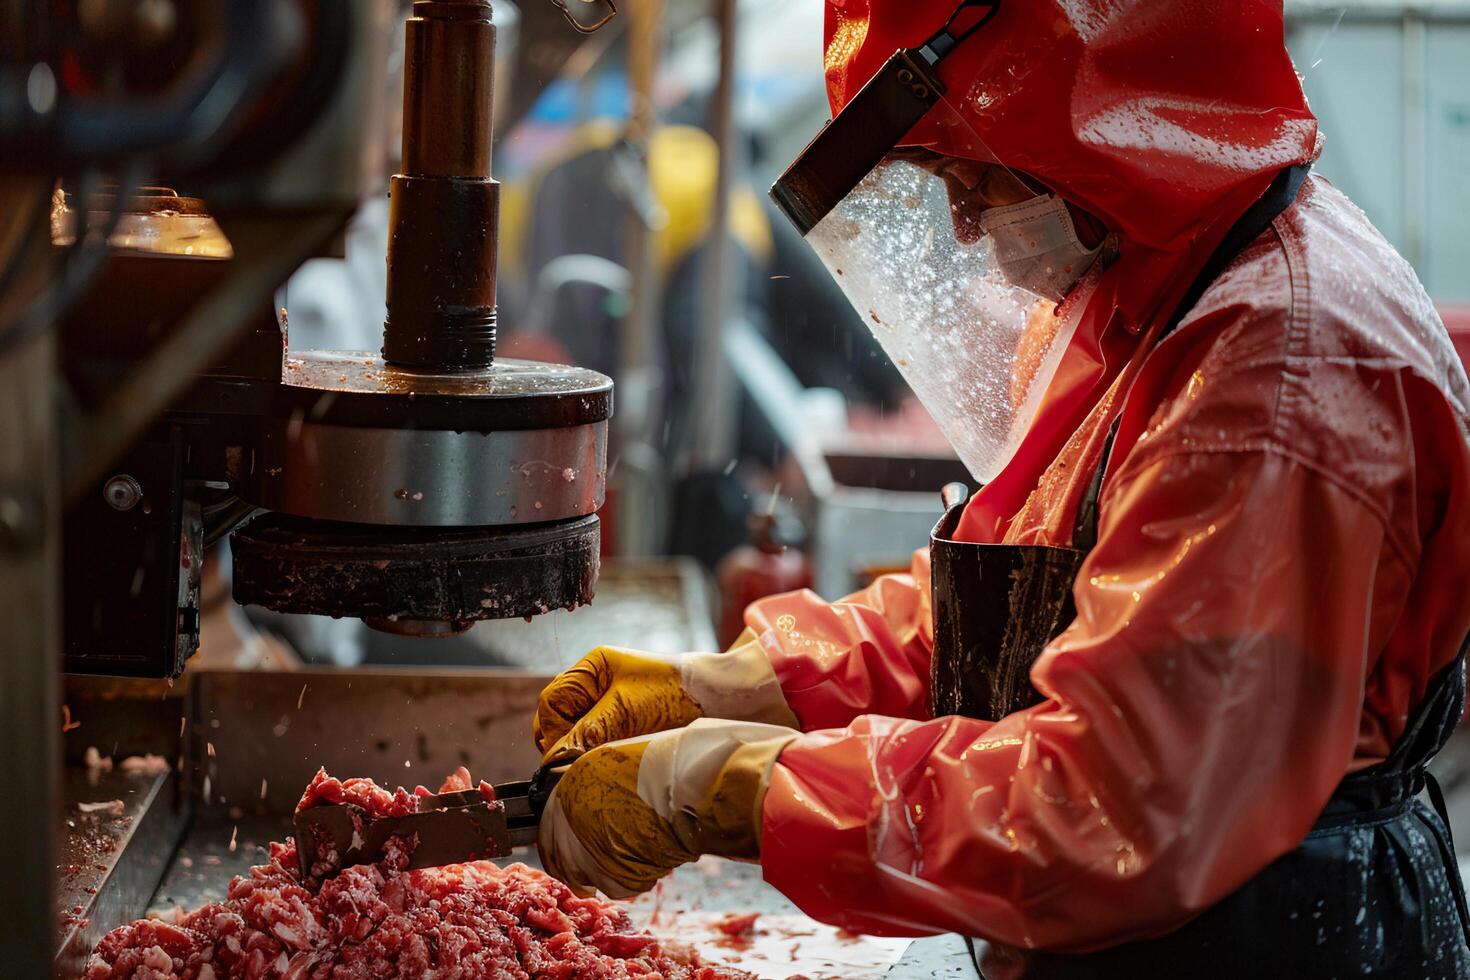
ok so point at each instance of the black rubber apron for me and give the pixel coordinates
(1373, 890)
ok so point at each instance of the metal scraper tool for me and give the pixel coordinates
(451, 828)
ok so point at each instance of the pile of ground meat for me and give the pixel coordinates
(468, 921)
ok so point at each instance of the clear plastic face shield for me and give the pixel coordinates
(965, 273)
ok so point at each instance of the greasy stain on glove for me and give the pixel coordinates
(627, 846)
(610, 694)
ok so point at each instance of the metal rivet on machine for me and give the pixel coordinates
(122, 492)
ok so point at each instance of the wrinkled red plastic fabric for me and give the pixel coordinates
(866, 653)
(1284, 529)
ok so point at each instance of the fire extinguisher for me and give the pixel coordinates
(769, 563)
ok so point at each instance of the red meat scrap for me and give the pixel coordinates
(474, 921)
(460, 780)
(736, 925)
(736, 931)
(325, 790)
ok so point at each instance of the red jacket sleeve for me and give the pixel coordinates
(1199, 713)
(866, 653)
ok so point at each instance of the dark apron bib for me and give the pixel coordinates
(1375, 887)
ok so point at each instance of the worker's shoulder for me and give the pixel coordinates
(1320, 306)
(1323, 286)
(1317, 342)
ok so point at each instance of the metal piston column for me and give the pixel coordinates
(443, 216)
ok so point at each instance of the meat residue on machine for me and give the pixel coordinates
(473, 920)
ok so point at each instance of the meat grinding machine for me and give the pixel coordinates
(151, 407)
(421, 489)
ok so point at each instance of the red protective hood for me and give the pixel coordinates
(1164, 118)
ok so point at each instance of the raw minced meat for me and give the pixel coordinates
(471, 921)
(325, 790)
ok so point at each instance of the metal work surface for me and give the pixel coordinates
(935, 958)
(206, 862)
(216, 849)
(258, 738)
(117, 835)
(255, 739)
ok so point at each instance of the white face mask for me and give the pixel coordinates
(1036, 245)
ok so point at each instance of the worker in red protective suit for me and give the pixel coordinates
(1165, 707)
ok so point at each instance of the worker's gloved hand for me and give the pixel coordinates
(613, 693)
(627, 813)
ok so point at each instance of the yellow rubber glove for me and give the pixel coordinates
(627, 813)
(613, 693)
(610, 694)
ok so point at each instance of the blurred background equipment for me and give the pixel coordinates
(1390, 83)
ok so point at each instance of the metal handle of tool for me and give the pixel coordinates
(577, 25)
(525, 801)
(946, 39)
(543, 781)
(536, 791)
(953, 494)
